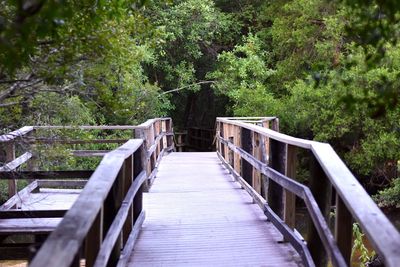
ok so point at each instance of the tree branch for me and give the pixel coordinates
(184, 87)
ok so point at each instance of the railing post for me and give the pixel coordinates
(168, 129)
(128, 182)
(138, 166)
(290, 198)
(321, 189)
(231, 155)
(10, 156)
(343, 229)
(277, 162)
(257, 153)
(264, 150)
(141, 134)
(247, 145)
(94, 239)
(114, 202)
(237, 143)
(222, 134)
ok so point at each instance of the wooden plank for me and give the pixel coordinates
(15, 134)
(40, 175)
(17, 214)
(28, 226)
(75, 142)
(270, 133)
(257, 153)
(86, 127)
(14, 163)
(17, 198)
(61, 183)
(213, 222)
(89, 153)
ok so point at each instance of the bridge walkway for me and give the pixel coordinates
(196, 215)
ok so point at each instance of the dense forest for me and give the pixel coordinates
(328, 69)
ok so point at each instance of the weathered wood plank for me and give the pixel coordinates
(198, 216)
(40, 175)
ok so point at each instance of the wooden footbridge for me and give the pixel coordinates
(147, 205)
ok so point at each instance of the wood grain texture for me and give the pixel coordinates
(196, 215)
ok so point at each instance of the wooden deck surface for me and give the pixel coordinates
(44, 199)
(196, 215)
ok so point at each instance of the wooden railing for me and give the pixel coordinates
(156, 133)
(265, 161)
(103, 223)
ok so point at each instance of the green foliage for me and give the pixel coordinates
(304, 68)
(359, 247)
(389, 197)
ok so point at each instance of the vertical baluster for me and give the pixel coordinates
(343, 229)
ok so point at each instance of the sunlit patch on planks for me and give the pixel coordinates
(198, 216)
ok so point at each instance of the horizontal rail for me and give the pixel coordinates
(20, 214)
(75, 142)
(15, 134)
(11, 166)
(287, 139)
(39, 175)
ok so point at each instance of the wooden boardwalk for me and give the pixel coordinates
(196, 215)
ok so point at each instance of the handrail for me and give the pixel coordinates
(268, 150)
(15, 134)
